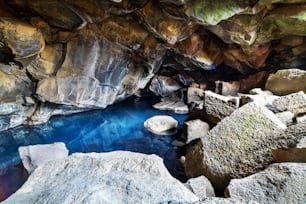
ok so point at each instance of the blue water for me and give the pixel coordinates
(118, 127)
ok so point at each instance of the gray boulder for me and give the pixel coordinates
(33, 156)
(237, 146)
(287, 81)
(201, 186)
(295, 103)
(220, 106)
(215, 200)
(161, 124)
(196, 129)
(280, 184)
(115, 177)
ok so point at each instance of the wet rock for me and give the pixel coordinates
(120, 177)
(279, 183)
(196, 129)
(287, 81)
(160, 124)
(219, 106)
(164, 86)
(163, 26)
(172, 104)
(295, 103)
(108, 75)
(239, 145)
(47, 63)
(201, 187)
(23, 39)
(33, 156)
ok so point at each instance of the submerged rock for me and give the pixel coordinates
(119, 177)
(161, 124)
(239, 145)
(279, 183)
(35, 155)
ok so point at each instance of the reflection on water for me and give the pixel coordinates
(119, 127)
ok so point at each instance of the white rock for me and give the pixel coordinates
(201, 187)
(278, 184)
(286, 117)
(196, 129)
(33, 156)
(295, 103)
(215, 200)
(159, 124)
(108, 178)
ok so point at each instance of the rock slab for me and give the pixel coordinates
(279, 183)
(237, 146)
(115, 177)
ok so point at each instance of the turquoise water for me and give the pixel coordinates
(119, 127)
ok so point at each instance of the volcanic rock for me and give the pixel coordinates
(201, 187)
(295, 103)
(161, 124)
(196, 129)
(115, 177)
(279, 183)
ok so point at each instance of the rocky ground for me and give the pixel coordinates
(237, 69)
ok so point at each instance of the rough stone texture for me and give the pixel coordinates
(287, 81)
(195, 97)
(201, 187)
(295, 103)
(279, 183)
(35, 155)
(196, 129)
(286, 117)
(237, 146)
(115, 177)
(215, 200)
(219, 106)
(160, 124)
(172, 103)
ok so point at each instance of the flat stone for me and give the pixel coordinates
(239, 145)
(279, 183)
(287, 81)
(295, 103)
(172, 104)
(33, 156)
(196, 129)
(114, 177)
(160, 124)
(219, 106)
(201, 187)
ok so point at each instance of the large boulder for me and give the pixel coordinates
(287, 81)
(115, 177)
(33, 156)
(161, 124)
(237, 146)
(279, 183)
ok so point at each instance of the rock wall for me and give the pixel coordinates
(90, 54)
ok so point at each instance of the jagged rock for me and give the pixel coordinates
(48, 62)
(202, 51)
(161, 124)
(163, 26)
(286, 117)
(279, 183)
(33, 156)
(23, 39)
(201, 187)
(301, 119)
(287, 81)
(119, 177)
(106, 76)
(172, 104)
(239, 145)
(196, 129)
(164, 86)
(215, 200)
(219, 106)
(263, 99)
(295, 103)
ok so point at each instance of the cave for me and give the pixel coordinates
(90, 73)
